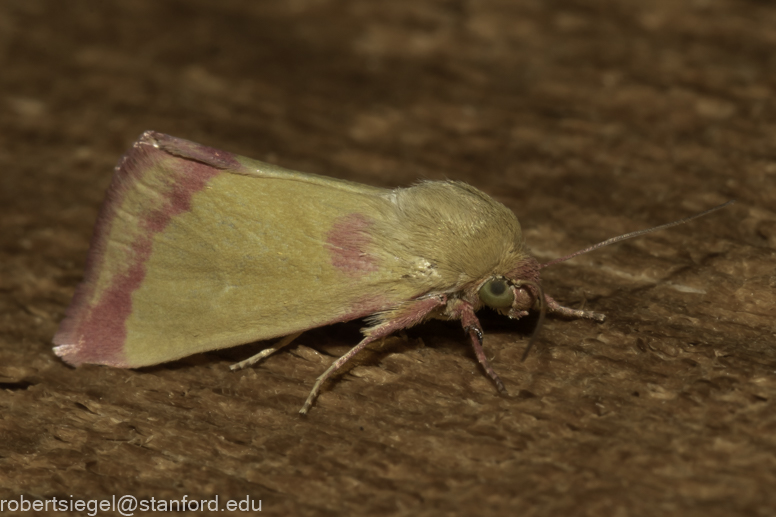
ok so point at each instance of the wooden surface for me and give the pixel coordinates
(588, 119)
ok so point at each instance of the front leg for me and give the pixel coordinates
(554, 307)
(461, 310)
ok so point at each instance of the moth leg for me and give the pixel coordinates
(266, 352)
(465, 312)
(556, 308)
(404, 316)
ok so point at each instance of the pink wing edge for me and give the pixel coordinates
(94, 331)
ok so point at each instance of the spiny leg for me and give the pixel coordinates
(556, 308)
(471, 324)
(475, 333)
(266, 352)
(402, 317)
(336, 365)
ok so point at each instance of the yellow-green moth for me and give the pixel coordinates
(197, 249)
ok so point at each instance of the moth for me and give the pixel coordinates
(197, 249)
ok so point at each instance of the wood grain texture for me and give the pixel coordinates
(587, 119)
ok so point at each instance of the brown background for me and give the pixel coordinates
(587, 118)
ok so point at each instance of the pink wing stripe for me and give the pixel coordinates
(94, 330)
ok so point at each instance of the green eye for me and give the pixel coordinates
(495, 293)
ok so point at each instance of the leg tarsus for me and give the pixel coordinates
(475, 334)
(471, 325)
(404, 316)
(336, 365)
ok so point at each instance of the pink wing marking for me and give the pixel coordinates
(94, 331)
(347, 242)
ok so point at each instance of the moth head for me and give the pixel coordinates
(513, 297)
(514, 290)
(519, 290)
(510, 297)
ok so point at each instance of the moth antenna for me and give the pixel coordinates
(542, 312)
(635, 234)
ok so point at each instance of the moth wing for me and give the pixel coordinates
(197, 249)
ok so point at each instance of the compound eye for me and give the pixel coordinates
(496, 294)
